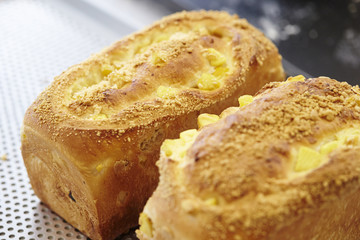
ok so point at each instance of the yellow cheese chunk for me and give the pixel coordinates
(329, 147)
(177, 148)
(307, 159)
(146, 225)
(229, 111)
(212, 201)
(188, 135)
(106, 69)
(201, 30)
(169, 145)
(220, 71)
(298, 78)
(214, 57)
(349, 136)
(208, 82)
(166, 92)
(206, 119)
(245, 100)
(99, 116)
(99, 167)
(156, 59)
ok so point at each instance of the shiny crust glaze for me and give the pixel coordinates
(244, 161)
(91, 139)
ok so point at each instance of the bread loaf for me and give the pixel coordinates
(285, 165)
(91, 139)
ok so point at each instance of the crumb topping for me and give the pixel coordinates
(199, 58)
(247, 155)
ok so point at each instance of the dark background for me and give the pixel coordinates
(322, 38)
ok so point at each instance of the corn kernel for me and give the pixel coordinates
(182, 153)
(307, 159)
(206, 119)
(220, 71)
(212, 201)
(118, 64)
(208, 82)
(99, 116)
(167, 147)
(228, 111)
(166, 92)
(352, 140)
(214, 57)
(188, 135)
(201, 30)
(245, 100)
(349, 136)
(99, 167)
(156, 59)
(146, 225)
(106, 69)
(329, 147)
(298, 78)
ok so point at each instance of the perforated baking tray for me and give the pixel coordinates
(38, 40)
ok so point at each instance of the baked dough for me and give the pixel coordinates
(91, 139)
(285, 165)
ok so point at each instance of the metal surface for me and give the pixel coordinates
(38, 40)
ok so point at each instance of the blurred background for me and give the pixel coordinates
(41, 38)
(321, 38)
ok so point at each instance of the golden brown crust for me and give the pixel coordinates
(91, 139)
(245, 162)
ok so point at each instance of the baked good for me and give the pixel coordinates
(285, 165)
(90, 141)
